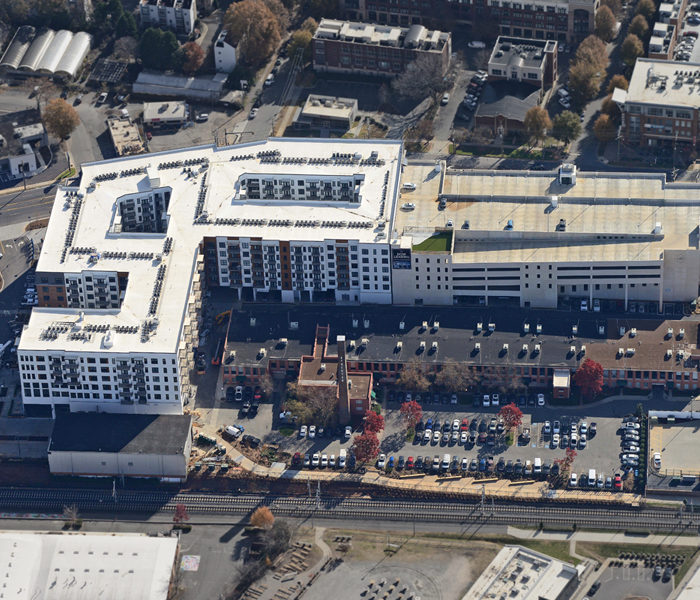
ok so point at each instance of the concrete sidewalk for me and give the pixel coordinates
(605, 537)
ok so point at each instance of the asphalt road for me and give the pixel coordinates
(23, 206)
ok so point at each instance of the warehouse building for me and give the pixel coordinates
(103, 445)
(64, 566)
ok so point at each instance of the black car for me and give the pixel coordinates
(244, 409)
(420, 426)
(454, 466)
(501, 465)
(668, 571)
(509, 467)
(483, 426)
(531, 401)
(418, 463)
(230, 394)
(594, 588)
(402, 463)
(657, 572)
(554, 472)
(446, 427)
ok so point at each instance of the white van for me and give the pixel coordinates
(591, 478)
(341, 458)
(563, 93)
(538, 466)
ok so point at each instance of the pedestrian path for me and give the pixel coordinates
(605, 537)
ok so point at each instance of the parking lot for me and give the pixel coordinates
(632, 582)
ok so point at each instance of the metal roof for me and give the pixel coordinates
(75, 53)
(55, 51)
(17, 48)
(36, 51)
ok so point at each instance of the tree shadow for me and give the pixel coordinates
(393, 442)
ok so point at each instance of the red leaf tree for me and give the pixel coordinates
(180, 515)
(193, 57)
(374, 423)
(512, 416)
(411, 412)
(589, 378)
(366, 446)
(566, 462)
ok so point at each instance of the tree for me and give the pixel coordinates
(608, 107)
(60, 118)
(277, 538)
(647, 9)
(126, 48)
(310, 25)
(192, 58)
(631, 48)
(421, 78)
(267, 384)
(605, 24)
(252, 26)
(70, 514)
(628, 482)
(512, 416)
(14, 12)
(589, 376)
(639, 26)
(313, 404)
(280, 13)
(593, 52)
(126, 25)
(411, 412)
(411, 377)
(584, 82)
(566, 126)
(365, 447)
(537, 123)
(456, 377)
(604, 129)
(262, 517)
(617, 81)
(374, 423)
(180, 515)
(159, 49)
(614, 5)
(301, 39)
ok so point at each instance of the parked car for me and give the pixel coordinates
(476, 45)
(202, 117)
(312, 432)
(302, 431)
(381, 461)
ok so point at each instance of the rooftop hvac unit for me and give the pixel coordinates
(572, 349)
(352, 343)
(323, 367)
(477, 347)
(622, 331)
(435, 345)
(681, 333)
(252, 321)
(574, 330)
(525, 349)
(262, 352)
(538, 347)
(402, 325)
(669, 353)
(366, 323)
(526, 327)
(355, 323)
(232, 354)
(422, 345)
(436, 325)
(283, 341)
(658, 229)
(365, 341)
(633, 332)
(583, 349)
(505, 348)
(492, 327)
(479, 327)
(294, 325)
(538, 328)
(601, 329)
(424, 325)
(669, 332)
(630, 351)
(680, 355)
(620, 352)
(399, 345)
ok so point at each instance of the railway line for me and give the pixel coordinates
(90, 501)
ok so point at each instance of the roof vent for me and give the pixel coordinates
(526, 327)
(633, 332)
(479, 327)
(477, 347)
(538, 329)
(492, 327)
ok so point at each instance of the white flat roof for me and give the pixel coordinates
(260, 218)
(79, 566)
(658, 82)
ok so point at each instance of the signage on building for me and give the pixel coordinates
(400, 258)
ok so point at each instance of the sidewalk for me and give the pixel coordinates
(604, 537)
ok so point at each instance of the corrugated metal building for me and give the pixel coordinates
(106, 445)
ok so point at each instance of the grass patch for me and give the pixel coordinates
(600, 552)
(287, 431)
(67, 173)
(440, 242)
(510, 438)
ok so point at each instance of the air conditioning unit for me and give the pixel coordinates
(492, 327)
(633, 332)
(479, 327)
(583, 349)
(525, 349)
(669, 354)
(630, 351)
(669, 332)
(323, 367)
(622, 331)
(477, 347)
(538, 329)
(538, 347)
(252, 321)
(526, 327)
(505, 348)
(366, 323)
(436, 325)
(402, 325)
(601, 329)
(355, 323)
(620, 352)
(399, 345)
(262, 352)
(352, 343)
(283, 341)
(435, 345)
(574, 330)
(364, 342)
(681, 333)
(424, 325)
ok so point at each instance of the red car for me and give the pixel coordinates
(409, 462)
(465, 425)
(617, 482)
(296, 459)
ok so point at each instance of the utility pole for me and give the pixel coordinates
(318, 495)
(483, 499)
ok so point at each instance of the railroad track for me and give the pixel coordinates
(131, 501)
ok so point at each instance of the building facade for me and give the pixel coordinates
(224, 54)
(178, 15)
(379, 50)
(562, 20)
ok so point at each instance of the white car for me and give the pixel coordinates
(573, 481)
(312, 432)
(302, 431)
(315, 459)
(269, 80)
(455, 425)
(657, 460)
(453, 399)
(486, 401)
(555, 440)
(565, 103)
(631, 425)
(495, 400)
(324, 460)
(584, 305)
(463, 437)
(476, 44)
(450, 223)
(348, 432)
(253, 113)
(436, 437)
(540, 399)
(556, 427)
(596, 305)
(408, 206)
(408, 187)
(331, 461)
(202, 117)
(445, 99)
(427, 435)
(583, 428)
(547, 428)
(381, 461)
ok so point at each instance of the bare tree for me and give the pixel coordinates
(456, 377)
(422, 78)
(316, 404)
(412, 377)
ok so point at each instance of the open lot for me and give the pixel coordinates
(678, 445)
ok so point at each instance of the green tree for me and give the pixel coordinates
(639, 26)
(631, 49)
(159, 49)
(14, 12)
(617, 81)
(566, 126)
(310, 25)
(60, 118)
(646, 8)
(126, 25)
(537, 123)
(301, 39)
(584, 82)
(604, 129)
(605, 24)
(252, 26)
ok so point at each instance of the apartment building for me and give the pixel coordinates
(380, 50)
(660, 108)
(178, 15)
(562, 20)
(129, 251)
